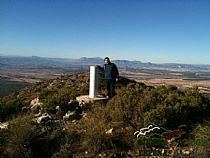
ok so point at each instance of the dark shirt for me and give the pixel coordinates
(110, 71)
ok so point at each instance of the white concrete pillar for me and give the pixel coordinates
(93, 89)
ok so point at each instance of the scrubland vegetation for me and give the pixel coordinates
(101, 129)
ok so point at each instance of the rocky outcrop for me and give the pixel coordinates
(4, 125)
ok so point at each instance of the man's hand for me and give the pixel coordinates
(117, 79)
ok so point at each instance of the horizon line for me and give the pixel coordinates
(2, 55)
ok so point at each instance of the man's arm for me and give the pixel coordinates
(100, 68)
(116, 71)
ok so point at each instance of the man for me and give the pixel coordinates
(111, 75)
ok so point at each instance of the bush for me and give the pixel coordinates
(10, 106)
(18, 138)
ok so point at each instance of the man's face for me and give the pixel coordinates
(106, 61)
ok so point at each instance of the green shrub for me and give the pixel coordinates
(10, 106)
(18, 140)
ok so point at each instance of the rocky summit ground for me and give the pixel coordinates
(45, 120)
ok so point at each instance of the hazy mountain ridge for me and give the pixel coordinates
(35, 69)
(62, 62)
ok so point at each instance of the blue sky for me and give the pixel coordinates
(158, 31)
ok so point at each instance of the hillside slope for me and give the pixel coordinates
(8, 86)
(46, 121)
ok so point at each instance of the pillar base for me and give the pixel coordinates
(87, 99)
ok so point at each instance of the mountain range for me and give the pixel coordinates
(35, 62)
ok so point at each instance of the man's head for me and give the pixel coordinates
(106, 60)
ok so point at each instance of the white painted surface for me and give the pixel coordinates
(93, 87)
